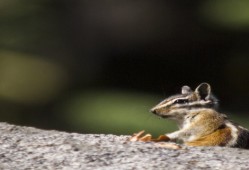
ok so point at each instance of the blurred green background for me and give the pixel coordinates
(99, 66)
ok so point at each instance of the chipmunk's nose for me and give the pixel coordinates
(153, 110)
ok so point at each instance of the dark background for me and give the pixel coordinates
(98, 66)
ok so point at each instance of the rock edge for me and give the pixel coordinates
(31, 148)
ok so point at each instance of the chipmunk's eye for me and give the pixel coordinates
(181, 101)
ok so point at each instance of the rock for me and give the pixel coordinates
(31, 148)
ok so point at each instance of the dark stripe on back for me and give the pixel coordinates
(243, 139)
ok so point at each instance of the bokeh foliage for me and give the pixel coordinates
(114, 112)
(99, 66)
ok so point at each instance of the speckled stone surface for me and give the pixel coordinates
(30, 148)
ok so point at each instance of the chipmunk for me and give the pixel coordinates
(199, 122)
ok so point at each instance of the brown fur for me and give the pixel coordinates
(206, 121)
(220, 137)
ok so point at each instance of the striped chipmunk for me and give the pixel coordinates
(200, 124)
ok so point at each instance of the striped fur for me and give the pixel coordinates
(199, 122)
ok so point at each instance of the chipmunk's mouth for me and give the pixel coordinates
(166, 116)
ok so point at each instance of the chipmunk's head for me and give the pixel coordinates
(177, 106)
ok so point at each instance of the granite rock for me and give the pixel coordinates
(31, 148)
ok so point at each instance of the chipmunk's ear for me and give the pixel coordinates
(203, 91)
(186, 90)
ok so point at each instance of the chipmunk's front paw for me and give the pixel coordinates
(147, 138)
(162, 140)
